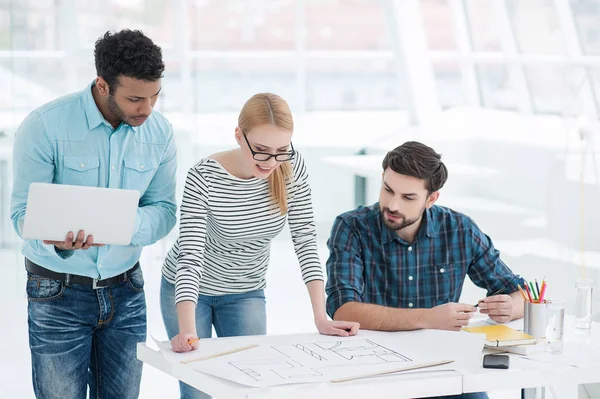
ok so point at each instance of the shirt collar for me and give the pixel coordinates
(429, 227)
(93, 114)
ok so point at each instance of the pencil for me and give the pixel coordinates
(192, 340)
(528, 293)
(543, 291)
(229, 352)
(537, 287)
(523, 292)
(532, 290)
(500, 291)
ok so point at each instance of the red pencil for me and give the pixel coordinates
(528, 292)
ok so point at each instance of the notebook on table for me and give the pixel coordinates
(518, 349)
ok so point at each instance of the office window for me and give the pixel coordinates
(153, 17)
(438, 24)
(536, 26)
(594, 74)
(483, 25)
(25, 84)
(354, 85)
(5, 27)
(586, 14)
(449, 83)
(242, 25)
(347, 25)
(497, 86)
(556, 89)
(226, 84)
(28, 25)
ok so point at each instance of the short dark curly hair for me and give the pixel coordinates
(418, 160)
(129, 53)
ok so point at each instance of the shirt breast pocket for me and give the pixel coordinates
(81, 170)
(138, 173)
(444, 282)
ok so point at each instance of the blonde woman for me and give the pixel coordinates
(234, 203)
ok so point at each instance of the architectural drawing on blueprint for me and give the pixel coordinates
(363, 352)
(305, 360)
(274, 369)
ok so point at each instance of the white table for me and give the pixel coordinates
(529, 374)
(414, 385)
(470, 378)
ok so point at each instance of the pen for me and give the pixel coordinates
(500, 291)
(537, 287)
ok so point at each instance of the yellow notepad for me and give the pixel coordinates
(500, 335)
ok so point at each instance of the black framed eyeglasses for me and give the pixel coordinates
(265, 156)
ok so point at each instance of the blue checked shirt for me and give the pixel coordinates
(67, 141)
(369, 263)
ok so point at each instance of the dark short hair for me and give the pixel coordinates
(418, 160)
(129, 53)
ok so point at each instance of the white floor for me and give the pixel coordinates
(288, 310)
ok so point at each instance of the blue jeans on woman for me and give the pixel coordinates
(79, 335)
(232, 315)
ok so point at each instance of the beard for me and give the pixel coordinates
(115, 109)
(402, 222)
(122, 116)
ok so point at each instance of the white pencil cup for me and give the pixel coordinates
(535, 319)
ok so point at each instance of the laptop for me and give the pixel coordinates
(55, 209)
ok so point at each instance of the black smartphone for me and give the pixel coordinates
(495, 361)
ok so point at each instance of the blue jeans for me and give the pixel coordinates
(80, 336)
(232, 315)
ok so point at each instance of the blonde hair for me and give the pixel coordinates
(270, 109)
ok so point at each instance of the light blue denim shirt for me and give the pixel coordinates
(68, 141)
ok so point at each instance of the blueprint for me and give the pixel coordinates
(301, 361)
(313, 358)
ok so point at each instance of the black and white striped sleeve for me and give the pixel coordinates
(192, 236)
(302, 224)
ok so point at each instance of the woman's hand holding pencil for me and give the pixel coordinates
(184, 342)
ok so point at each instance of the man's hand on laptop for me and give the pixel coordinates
(69, 245)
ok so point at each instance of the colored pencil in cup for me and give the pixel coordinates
(522, 292)
(532, 291)
(543, 292)
(528, 293)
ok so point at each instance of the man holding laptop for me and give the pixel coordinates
(87, 309)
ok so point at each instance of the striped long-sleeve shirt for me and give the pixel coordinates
(226, 228)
